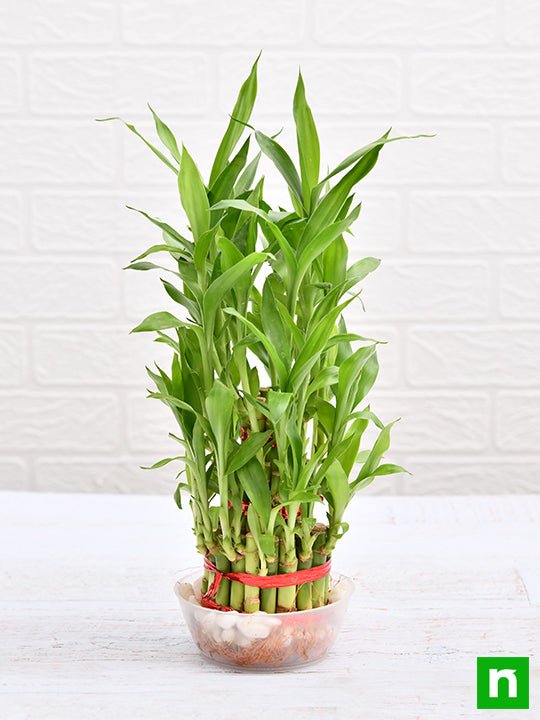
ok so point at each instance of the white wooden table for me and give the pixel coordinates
(90, 627)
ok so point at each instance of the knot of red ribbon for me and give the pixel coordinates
(261, 581)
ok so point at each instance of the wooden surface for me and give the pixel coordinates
(90, 627)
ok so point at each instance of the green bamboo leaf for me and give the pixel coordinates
(159, 321)
(162, 463)
(338, 490)
(242, 205)
(241, 112)
(369, 416)
(224, 184)
(334, 262)
(339, 452)
(329, 207)
(308, 142)
(247, 178)
(389, 469)
(145, 265)
(267, 545)
(289, 323)
(242, 453)
(166, 136)
(362, 456)
(202, 247)
(349, 374)
(278, 404)
(166, 340)
(219, 410)
(307, 471)
(161, 380)
(222, 284)
(178, 496)
(153, 148)
(351, 444)
(367, 379)
(179, 297)
(328, 376)
(301, 496)
(379, 448)
(363, 151)
(326, 413)
(181, 405)
(193, 195)
(174, 251)
(279, 156)
(282, 241)
(311, 251)
(314, 345)
(269, 347)
(361, 269)
(171, 232)
(230, 255)
(253, 480)
(272, 324)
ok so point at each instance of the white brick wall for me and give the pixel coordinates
(456, 219)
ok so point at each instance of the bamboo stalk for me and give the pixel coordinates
(204, 582)
(269, 595)
(237, 589)
(251, 594)
(288, 563)
(304, 596)
(223, 593)
(319, 587)
(210, 575)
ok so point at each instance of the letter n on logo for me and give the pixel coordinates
(502, 682)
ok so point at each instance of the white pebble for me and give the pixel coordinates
(324, 632)
(228, 636)
(227, 620)
(182, 590)
(197, 588)
(254, 629)
(206, 621)
(338, 592)
(267, 619)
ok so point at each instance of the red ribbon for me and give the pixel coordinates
(261, 581)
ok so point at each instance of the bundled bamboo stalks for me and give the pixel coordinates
(261, 295)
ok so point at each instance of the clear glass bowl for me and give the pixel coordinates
(259, 641)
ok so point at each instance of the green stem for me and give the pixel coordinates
(204, 582)
(237, 589)
(251, 594)
(223, 593)
(303, 599)
(288, 562)
(269, 595)
(209, 575)
(244, 377)
(319, 587)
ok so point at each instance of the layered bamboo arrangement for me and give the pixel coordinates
(266, 383)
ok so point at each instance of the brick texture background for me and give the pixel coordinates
(455, 219)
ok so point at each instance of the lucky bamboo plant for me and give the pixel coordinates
(266, 383)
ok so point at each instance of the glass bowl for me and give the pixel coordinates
(260, 641)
